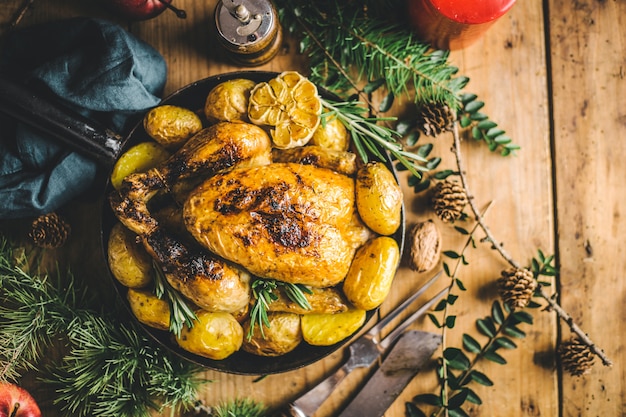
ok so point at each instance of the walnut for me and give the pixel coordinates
(425, 246)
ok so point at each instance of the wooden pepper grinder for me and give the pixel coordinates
(455, 24)
(249, 30)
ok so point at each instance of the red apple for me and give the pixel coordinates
(17, 402)
(142, 9)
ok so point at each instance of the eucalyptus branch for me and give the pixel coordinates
(454, 281)
(507, 257)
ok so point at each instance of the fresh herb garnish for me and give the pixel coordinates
(264, 292)
(180, 312)
(371, 138)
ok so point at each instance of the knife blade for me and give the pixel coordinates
(406, 358)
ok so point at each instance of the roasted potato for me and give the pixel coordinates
(371, 273)
(139, 158)
(328, 329)
(171, 126)
(214, 335)
(129, 262)
(331, 134)
(228, 101)
(283, 335)
(149, 309)
(378, 198)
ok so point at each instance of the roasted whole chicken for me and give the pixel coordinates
(230, 210)
(289, 221)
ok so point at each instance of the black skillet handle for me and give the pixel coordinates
(70, 127)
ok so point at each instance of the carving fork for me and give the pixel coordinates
(362, 353)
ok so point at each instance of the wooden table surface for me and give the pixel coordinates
(552, 74)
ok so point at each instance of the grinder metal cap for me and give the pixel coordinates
(249, 30)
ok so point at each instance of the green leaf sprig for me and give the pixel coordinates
(181, 314)
(264, 292)
(482, 128)
(456, 370)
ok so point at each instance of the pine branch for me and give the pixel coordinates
(32, 314)
(111, 368)
(338, 36)
(240, 408)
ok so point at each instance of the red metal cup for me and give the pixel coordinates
(455, 24)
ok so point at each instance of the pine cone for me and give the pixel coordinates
(576, 357)
(449, 200)
(434, 118)
(516, 287)
(49, 231)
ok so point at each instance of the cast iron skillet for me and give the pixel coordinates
(106, 146)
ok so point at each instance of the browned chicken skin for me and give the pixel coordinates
(208, 281)
(217, 148)
(292, 222)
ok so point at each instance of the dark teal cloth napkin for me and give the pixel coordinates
(91, 65)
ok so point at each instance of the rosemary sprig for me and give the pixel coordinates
(371, 138)
(264, 292)
(181, 314)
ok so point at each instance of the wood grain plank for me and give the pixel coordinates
(507, 71)
(588, 44)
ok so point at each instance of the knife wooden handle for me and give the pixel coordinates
(40, 111)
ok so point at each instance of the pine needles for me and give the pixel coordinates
(111, 369)
(338, 35)
(240, 408)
